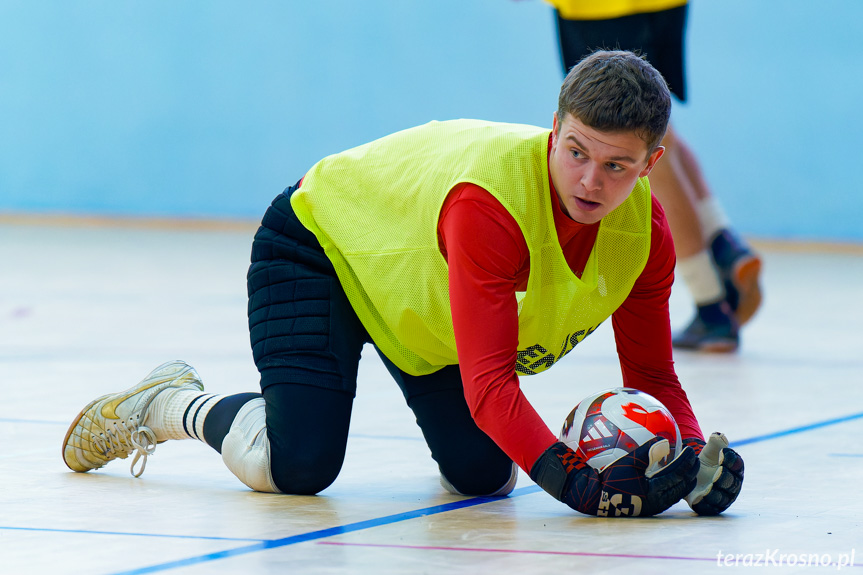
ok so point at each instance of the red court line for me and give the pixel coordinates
(571, 554)
(520, 551)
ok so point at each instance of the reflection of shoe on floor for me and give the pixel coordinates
(714, 329)
(740, 269)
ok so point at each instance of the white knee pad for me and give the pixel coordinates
(505, 490)
(246, 447)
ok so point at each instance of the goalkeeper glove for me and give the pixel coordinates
(622, 489)
(719, 478)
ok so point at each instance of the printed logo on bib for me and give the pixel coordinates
(536, 358)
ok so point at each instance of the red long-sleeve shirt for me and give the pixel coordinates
(488, 262)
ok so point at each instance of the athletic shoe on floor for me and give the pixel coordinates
(714, 329)
(740, 269)
(117, 424)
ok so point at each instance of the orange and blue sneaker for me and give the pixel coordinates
(115, 425)
(740, 270)
(714, 329)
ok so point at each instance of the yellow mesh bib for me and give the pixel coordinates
(375, 208)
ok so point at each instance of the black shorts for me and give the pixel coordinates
(659, 36)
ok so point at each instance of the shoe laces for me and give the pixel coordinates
(122, 438)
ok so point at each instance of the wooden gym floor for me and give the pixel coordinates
(90, 309)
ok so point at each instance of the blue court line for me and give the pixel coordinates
(324, 533)
(91, 532)
(352, 435)
(390, 519)
(793, 430)
(23, 453)
(40, 421)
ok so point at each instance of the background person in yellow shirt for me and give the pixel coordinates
(719, 268)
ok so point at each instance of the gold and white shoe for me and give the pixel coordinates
(117, 424)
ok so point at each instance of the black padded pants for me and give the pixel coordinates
(306, 342)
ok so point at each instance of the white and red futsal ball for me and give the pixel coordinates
(607, 425)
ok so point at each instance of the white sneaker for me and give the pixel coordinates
(116, 424)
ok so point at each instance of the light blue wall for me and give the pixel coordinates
(776, 113)
(209, 108)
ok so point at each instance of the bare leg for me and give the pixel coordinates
(739, 267)
(691, 170)
(676, 192)
(677, 182)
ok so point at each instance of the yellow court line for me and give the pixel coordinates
(806, 246)
(250, 225)
(138, 222)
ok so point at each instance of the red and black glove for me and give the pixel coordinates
(622, 489)
(720, 476)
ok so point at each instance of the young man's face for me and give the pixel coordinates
(593, 171)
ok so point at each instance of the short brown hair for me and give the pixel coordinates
(616, 91)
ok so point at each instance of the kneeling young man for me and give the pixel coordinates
(469, 253)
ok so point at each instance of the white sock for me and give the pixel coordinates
(180, 413)
(712, 217)
(701, 278)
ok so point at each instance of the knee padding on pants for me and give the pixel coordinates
(246, 448)
(489, 487)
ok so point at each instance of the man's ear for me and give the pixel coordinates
(554, 129)
(651, 161)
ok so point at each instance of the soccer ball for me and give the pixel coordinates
(612, 423)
